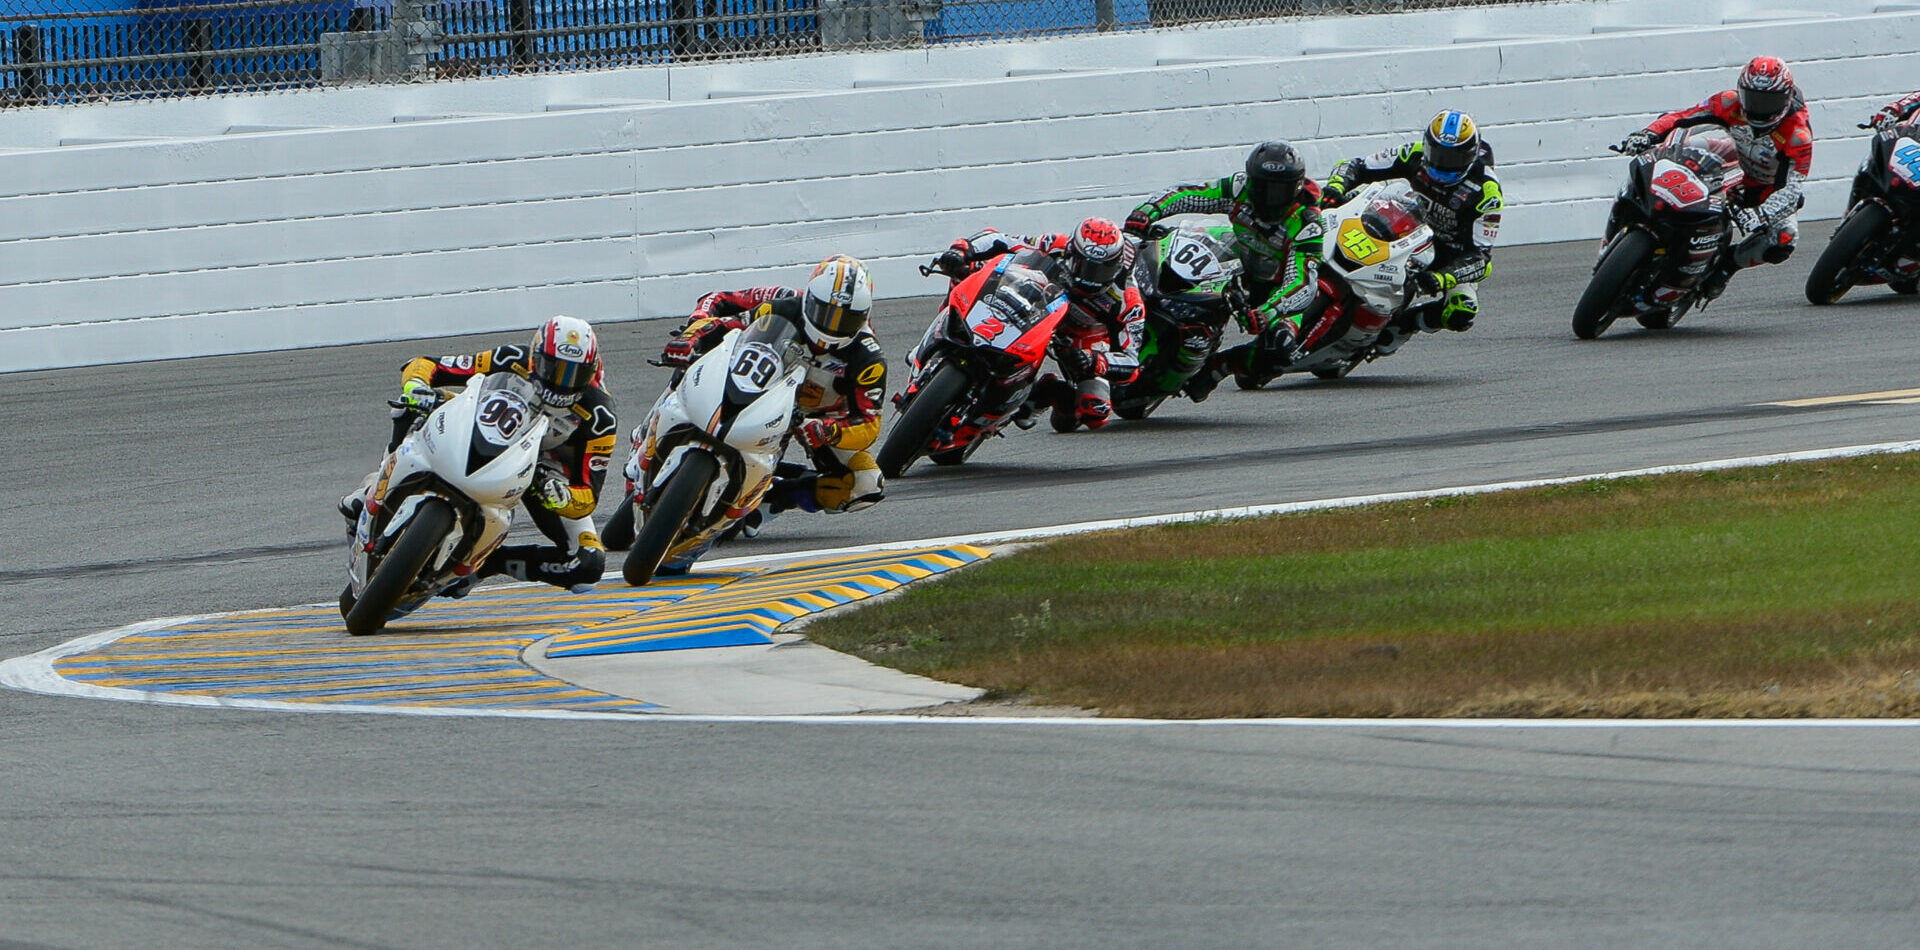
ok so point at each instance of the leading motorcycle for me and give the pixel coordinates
(1376, 242)
(976, 364)
(1878, 242)
(710, 447)
(1190, 283)
(1669, 225)
(442, 501)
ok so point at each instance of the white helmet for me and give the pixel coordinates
(839, 295)
(565, 359)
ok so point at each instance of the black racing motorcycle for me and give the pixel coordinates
(1878, 242)
(1669, 225)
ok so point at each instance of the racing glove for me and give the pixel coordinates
(417, 396)
(1331, 195)
(1638, 142)
(1083, 364)
(678, 352)
(1137, 224)
(956, 261)
(550, 489)
(819, 433)
(1435, 281)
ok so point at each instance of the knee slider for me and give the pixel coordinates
(1777, 253)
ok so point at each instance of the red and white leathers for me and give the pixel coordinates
(1895, 112)
(1773, 163)
(1096, 344)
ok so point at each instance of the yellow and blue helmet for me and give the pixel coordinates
(1451, 146)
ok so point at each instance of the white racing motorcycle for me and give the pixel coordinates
(443, 500)
(1376, 242)
(711, 446)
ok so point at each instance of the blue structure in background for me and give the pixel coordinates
(979, 21)
(136, 48)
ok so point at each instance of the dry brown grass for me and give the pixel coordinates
(1740, 670)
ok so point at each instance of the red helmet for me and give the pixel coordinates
(1096, 254)
(1766, 92)
(566, 358)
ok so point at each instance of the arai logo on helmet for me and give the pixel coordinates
(1273, 167)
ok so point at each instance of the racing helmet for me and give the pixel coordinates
(1096, 254)
(1274, 173)
(839, 295)
(1450, 147)
(1766, 92)
(565, 360)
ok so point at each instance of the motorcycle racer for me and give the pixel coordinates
(839, 403)
(562, 361)
(1277, 234)
(1452, 167)
(1097, 344)
(1767, 116)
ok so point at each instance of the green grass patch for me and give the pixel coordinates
(1789, 590)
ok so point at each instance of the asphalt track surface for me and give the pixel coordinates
(206, 485)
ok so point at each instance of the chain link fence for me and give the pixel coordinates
(65, 51)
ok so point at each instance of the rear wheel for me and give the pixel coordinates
(1832, 274)
(914, 428)
(398, 569)
(678, 498)
(1611, 282)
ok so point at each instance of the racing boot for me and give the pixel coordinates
(1093, 411)
(1715, 282)
(1202, 384)
(352, 503)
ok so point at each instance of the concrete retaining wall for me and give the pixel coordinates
(398, 212)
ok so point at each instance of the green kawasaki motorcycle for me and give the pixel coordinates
(1190, 283)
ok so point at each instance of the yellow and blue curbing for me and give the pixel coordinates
(469, 653)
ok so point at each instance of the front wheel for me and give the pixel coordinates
(1612, 280)
(672, 508)
(398, 569)
(1832, 274)
(914, 428)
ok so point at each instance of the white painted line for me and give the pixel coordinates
(35, 673)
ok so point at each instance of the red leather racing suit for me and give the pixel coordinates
(1773, 166)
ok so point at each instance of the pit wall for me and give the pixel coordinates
(378, 213)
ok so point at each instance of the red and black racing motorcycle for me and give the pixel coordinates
(978, 361)
(1668, 226)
